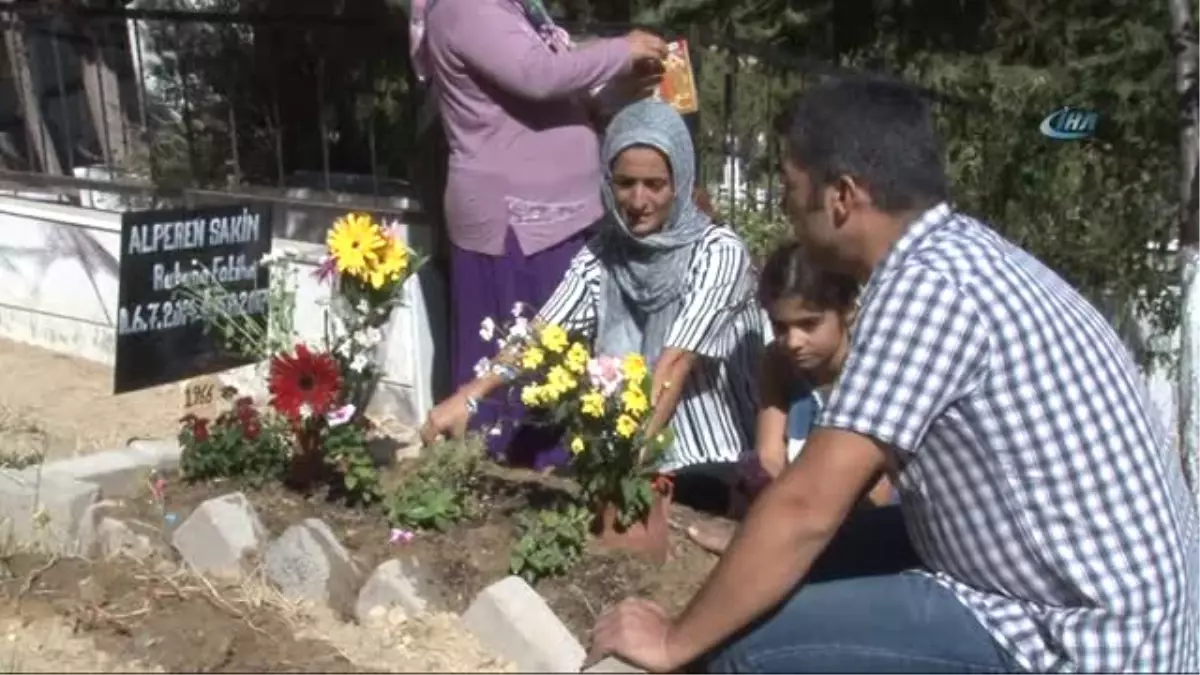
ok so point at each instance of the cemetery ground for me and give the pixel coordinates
(61, 406)
(136, 605)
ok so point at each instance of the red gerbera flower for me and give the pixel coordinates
(304, 380)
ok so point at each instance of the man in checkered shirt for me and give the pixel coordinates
(1052, 527)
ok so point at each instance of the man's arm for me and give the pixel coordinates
(786, 529)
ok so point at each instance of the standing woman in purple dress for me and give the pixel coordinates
(516, 101)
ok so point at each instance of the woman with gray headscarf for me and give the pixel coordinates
(662, 280)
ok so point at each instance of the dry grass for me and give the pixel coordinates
(23, 442)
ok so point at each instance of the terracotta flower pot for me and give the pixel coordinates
(650, 537)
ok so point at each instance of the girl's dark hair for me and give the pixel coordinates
(788, 273)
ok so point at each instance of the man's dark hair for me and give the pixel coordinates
(789, 273)
(879, 132)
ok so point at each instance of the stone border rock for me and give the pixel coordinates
(57, 507)
(48, 506)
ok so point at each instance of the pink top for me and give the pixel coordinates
(522, 151)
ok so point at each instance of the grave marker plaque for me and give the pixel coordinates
(161, 335)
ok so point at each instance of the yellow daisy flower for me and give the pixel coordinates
(393, 258)
(577, 358)
(560, 378)
(554, 338)
(531, 395)
(626, 426)
(551, 393)
(635, 402)
(353, 242)
(633, 367)
(577, 445)
(592, 404)
(533, 358)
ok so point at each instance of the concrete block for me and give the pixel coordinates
(307, 562)
(118, 473)
(43, 512)
(117, 538)
(401, 584)
(164, 451)
(513, 621)
(219, 535)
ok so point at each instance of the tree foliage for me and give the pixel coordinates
(1094, 210)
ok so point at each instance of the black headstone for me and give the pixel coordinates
(161, 337)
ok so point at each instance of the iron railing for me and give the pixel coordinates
(177, 106)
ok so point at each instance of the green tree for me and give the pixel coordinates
(1094, 210)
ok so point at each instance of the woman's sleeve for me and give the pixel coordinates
(573, 303)
(507, 51)
(720, 290)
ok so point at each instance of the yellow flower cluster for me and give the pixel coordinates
(361, 248)
(562, 377)
(597, 395)
(633, 404)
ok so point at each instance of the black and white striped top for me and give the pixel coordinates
(720, 322)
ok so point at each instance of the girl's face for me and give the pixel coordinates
(642, 184)
(814, 340)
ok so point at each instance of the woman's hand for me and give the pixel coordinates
(645, 46)
(448, 418)
(634, 86)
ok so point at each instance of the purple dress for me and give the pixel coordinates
(524, 178)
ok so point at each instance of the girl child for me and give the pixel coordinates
(811, 311)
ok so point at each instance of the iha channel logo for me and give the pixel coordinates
(1069, 124)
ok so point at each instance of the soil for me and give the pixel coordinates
(60, 406)
(75, 615)
(474, 554)
(159, 619)
(121, 615)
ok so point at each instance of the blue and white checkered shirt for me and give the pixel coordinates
(1035, 481)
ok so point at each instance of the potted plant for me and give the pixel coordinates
(603, 405)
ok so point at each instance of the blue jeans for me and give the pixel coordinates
(864, 610)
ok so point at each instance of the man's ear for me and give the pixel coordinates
(846, 194)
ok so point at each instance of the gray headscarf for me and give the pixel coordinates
(645, 278)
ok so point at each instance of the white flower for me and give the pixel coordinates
(518, 309)
(343, 349)
(520, 328)
(364, 307)
(487, 328)
(368, 337)
(359, 363)
(482, 367)
(306, 411)
(341, 415)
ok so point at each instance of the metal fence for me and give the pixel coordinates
(174, 106)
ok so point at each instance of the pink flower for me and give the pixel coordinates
(326, 270)
(605, 374)
(158, 489)
(399, 536)
(340, 416)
